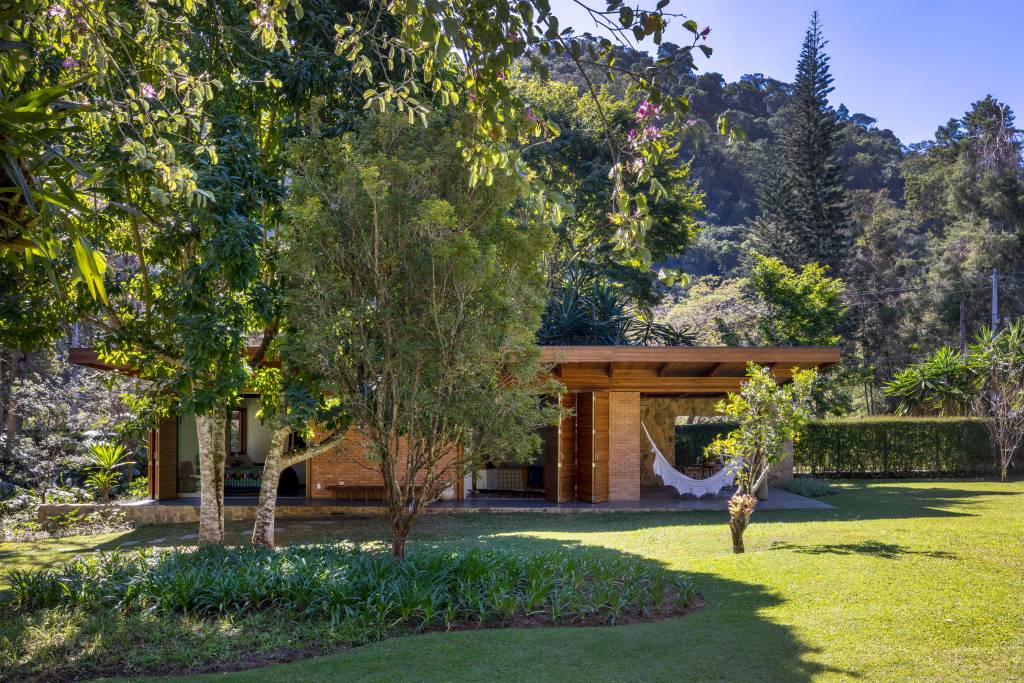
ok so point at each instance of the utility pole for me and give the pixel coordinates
(963, 328)
(995, 299)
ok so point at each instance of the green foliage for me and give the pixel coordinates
(809, 487)
(368, 595)
(769, 415)
(582, 310)
(419, 307)
(573, 167)
(805, 207)
(894, 446)
(802, 308)
(692, 440)
(104, 462)
(138, 489)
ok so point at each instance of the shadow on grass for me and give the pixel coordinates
(701, 645)
(888, 551)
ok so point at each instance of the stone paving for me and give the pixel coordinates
(243, 508)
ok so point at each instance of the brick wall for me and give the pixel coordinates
(347, 464)
(624, 445)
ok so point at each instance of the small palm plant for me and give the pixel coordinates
(105, 461)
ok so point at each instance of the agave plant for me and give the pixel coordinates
(585, 311)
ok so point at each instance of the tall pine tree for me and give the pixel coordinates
(805, 209)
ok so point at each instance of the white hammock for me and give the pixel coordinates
(684, 484)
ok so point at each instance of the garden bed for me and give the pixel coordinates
(227, 609)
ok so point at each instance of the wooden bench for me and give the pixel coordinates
(356, 492)
(361, 491)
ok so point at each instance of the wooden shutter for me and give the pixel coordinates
(165, 460)
(560, 455)
(592, 447)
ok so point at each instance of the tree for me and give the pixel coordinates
(809, 205)
(802, 308)
(998, 359)
(987, 379)
(769, 416)
(419, 306)
(575, 164)
(185, 127)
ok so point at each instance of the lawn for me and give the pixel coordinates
(908, 580)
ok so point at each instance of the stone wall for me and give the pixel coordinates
(659, 416)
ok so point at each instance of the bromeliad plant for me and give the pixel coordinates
(106, 460)
(769, 416)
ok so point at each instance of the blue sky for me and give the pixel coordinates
(911, 64)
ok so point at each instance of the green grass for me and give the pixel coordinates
(907, 580)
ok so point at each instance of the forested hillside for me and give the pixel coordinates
(917, 232)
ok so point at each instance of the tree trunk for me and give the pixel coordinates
(1003, 473)
(212, 437)
(13, 423)
(399, 532)
(263, 529)
(741, 507)
(737, 529)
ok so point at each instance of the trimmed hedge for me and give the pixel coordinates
(870, 447)
(894, 447)
(692, 439)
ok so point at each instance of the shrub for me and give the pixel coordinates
(808, 486)
(19, 518)
(137, 489)
(894, 446)
(369, 594)
(692, 439)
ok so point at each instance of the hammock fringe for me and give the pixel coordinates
(683, 484)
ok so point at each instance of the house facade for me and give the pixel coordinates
(594, 455)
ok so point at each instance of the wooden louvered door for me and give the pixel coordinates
(560, 455)
(592, 447)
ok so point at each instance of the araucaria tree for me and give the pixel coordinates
(769, 415)
(812, 215)
(418, 304)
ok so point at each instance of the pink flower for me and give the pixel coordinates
(705, 33)
(57, 11)
(148, 91)
(646, 110)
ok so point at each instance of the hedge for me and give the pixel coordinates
(894, 446)
(881, 446)
(691, 440)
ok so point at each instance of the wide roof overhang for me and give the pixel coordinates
(661, 370)
(677, 370)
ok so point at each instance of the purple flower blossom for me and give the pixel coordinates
(69, 63)
(530, 116)
(646, 110)
(147, 91)
(57, 11)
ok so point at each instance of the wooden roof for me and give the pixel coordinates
(666, 370)
(677, 370)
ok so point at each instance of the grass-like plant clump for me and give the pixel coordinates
(809, 486)
(368, 595)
